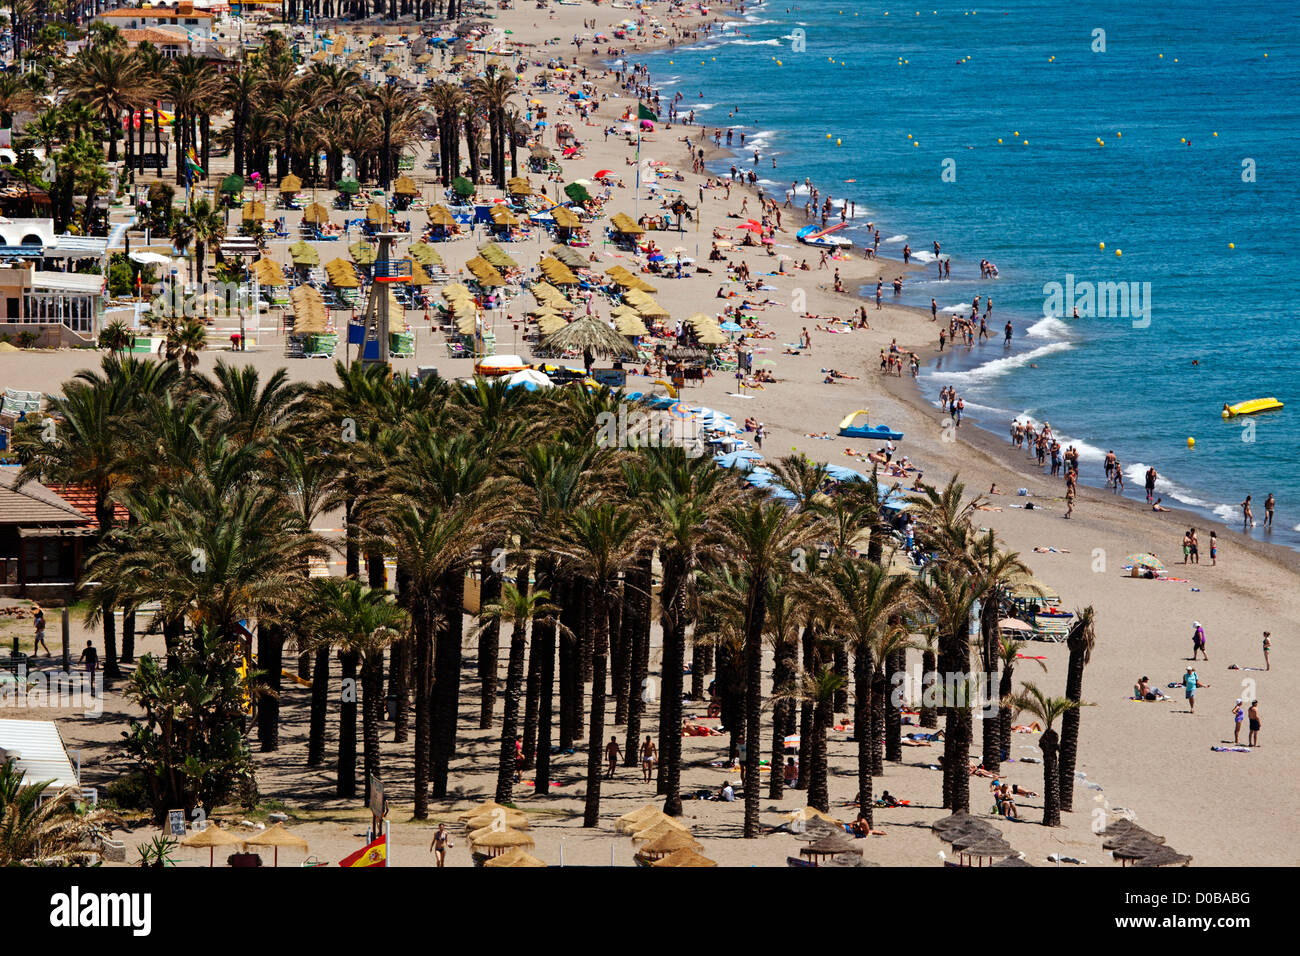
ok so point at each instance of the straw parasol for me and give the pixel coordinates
(986, 848)
(829, 845)
(277, 836)
(405, 186)
(1164, 856)
(315, 214)
(669, 842)
(211, 836)
(363, 253)
(268, 272)
(649, 810)
(514, 858)
(497, 256)
(304, 254)
(308, 311)
(377, 214)
(424, 254)
(590, 334)
(630, 325)
(496, 842)
(1013, 861)
(487, 805)
(254, 211)
(290, 184)
(498, 817)
(683, 857)
(654, 829)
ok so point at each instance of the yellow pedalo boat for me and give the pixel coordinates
(1251, 407)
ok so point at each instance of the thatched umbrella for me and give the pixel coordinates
(405, 186)
(277, 836)
(304, 254)
(495, 842)
(1130, 851)
(211, 836)
(848, 859)
(590, 335)
(832, 844)
(669, 842)
(485, 807)
(291, 184)
(815, 829)
(683, 857)
(971, 836)
(989, 848)
(1013, 861)
(1164, 856)
(514, 858)
(498, 817)
(649, 810)
(657, 828)
(424, 254)
(315, 214)
(1134, 835)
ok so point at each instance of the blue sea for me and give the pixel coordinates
(1168, 132)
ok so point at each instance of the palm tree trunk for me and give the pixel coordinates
(639, 692)
(897, 664)
(701, 666)
(1070, 730)
(929, 716)
(1004, 715)
(544, 650)
(672, 620)
(447, 682)
(320, 680)
(806, 712)
(372, 707)
(1051, 779)
(270, 648)
(510, 719)
(422, 629)
(755, 616)
(111, 670)
(399, 667)
(862, 693)
(346, 783)
(489, 641)
(840, 656)
(620, 642)
(596, 731)
(818, 783)
(128, 636)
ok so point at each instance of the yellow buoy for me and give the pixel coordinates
(828, 135)
(999, 139)
(1214, 134)
(1232, 245)
(909, 135)
(1191, 442)
(1101, 245)
(1119, 252)
(837, 142)
(1016, 133)
(916, 144)
(1183, 140)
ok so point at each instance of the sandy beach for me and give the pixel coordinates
(1150, 760)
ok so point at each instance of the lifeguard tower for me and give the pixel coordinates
(388, 268)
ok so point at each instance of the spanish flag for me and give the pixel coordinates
(372, 854)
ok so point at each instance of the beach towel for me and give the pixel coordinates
(1235, 750)
(1028, 657)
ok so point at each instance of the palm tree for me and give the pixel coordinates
(818, 688)
(116, 336)
(1009, 656)
(43, 828)
(208, 228)
(1046, 710)
(108, 81)
(760, 537)
(240, 91)
(359, 622)
(1081, 638)
(517, 607)
(15, 97)
(185, 339)
(599, 543)
(868, 604)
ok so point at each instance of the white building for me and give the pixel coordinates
(176, 16)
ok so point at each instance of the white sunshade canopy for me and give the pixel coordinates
(39, 752)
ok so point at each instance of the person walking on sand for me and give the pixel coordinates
(1198, 641)
(1247, 517)
(1268, 643)
(1238, 715)
(90, 657)
(38, 619)
(441, 843)
(612, 754)
(1070, 492)
(934, 310)
(1253, 716)
(648, 750)
(1151, 484)
(1190, 682)
(1195, 548)
(1214, 548)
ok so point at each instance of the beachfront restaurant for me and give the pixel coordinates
(31, 298)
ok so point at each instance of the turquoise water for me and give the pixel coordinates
(1039, 204)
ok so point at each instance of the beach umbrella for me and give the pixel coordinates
(653, 829)
(530, 379)
(315, 214)
(590, 334)
(738, 459)
(668, 842)
(290, 184)
(424, 254)
(829, 845)
(1013, 861)
(683, 857)
(649, 810)
(514, 858)
(497, 842)
(498, 816)
(232, 184)
(601, 174)
(987, 848)
(211, 836)
(149, 258)
(405, 186)
(304, 254)
(730, 327)
(1164, 856)
(1146, 560)
(349, 187)
(363, 253)
(268, 273)
(277, 836)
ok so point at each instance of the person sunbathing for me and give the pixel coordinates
(1015, 788)
(1006, 806)
(979, 771)
(1033, 728)
(861, 828)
